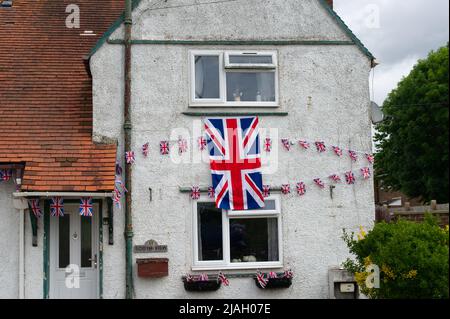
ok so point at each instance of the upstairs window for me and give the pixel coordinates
(234, 78)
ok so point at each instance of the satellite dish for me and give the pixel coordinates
(377, 114)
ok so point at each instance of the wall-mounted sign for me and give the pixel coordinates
(150, 246)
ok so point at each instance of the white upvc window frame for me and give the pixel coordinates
(226, 67)
(226, 263)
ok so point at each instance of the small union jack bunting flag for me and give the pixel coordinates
(5, 175)
(202, 143)
(211, 192)
(286, 189)
(116, 198)
(288, 274)
(320, 146)
(118, 169)
(130, 157)
(268, 145)
(370, 158)
(86, 207)
(203, 277)
(164, 147)
(182, 145)
(301, 188)
(365, 172)
(261, 279)
(35, 208)
(266, 191)
(272, 275)
(57, 207)
(304, 144)
(338, 151)
(350, 178)
(145, 149)
(319, 183)
(224, 280)
(353, 155)
(195, 192)
(286, 144)
(335, 178)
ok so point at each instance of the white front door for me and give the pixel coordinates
(74, 255)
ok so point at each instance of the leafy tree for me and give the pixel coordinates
(413, 140)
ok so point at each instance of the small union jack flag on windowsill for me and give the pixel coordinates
(261, 279)
(224, 280)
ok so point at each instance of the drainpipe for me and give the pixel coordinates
(128, 169)
(21, 204)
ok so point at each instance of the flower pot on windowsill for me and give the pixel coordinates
(275, 283)
(210, 285)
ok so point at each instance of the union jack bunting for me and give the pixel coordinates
(57, 207)
(195, 192)
(353, 155)
(301, 188)
(118, 169)
(235, 161)
(182, 145)
(338, 151)
(164, 147)
(224, 280)
(319, 183)
(320, 146)
(116, 198)
(350, 178)
(261, 279)
(272, 275)
(285, 189)
(35, 208)
(130, 157)
(370, 158)
(202, 143)
(268, 145)
(211, 192)
(145, 149)
(335, 178)
(286, 144)
(365, 172)
(5, 175)
(203, 277)
(86, 207)
(288, 274)
(304, 144)
(120, 186)
(266, 191)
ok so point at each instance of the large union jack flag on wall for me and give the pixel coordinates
(235, 158)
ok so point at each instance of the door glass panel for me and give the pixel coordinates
(86, 242)
(251, 86)
(207, 77)
(64, 241)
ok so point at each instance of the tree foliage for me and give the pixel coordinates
(413, 140)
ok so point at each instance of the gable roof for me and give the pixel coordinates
(46, 95)
(324, 4)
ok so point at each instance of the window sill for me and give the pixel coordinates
(235, 105)
(241, 266)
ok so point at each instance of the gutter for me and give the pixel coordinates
(62, 194)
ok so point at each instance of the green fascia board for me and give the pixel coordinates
(324, 4)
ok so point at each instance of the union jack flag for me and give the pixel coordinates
(353, 155)
(370, 158)
(301, 188)
(272, 274)
(57, 207)
(164, 147)
(35, 208)
(195, 192)
(5, 175)
(286, 189)
(86, 207)
(350, 178)
(338, 151)
(203, 277)
(118, 169)
(261, 279)
(211, 192)
(319, 183)
(235, 161)
(335, 178)
(304, 144)
(266, 191)
(129, 157)
(320, 146)
(202, 143)
(286, 143)
(268, 145)
(145, 149)
(182, 145)
(288, 274)
(224, 280)
(365, 172)
(116, 198)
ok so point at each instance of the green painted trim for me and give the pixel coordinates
(234, 42)
(235, 113)
(46, 249)
(34, 229)
(109, 203)
(100, 248)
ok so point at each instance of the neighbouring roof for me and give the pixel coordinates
(46, 95)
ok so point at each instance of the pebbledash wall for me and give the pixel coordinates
(324, 89)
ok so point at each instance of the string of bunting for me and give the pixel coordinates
(5, 175)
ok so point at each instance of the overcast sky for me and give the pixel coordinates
(403, 32)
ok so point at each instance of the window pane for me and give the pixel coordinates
(207, 77)
(251, 86)
(86, 242)
(251, 59)
(209, 232)
(64, 241)
(254, 240)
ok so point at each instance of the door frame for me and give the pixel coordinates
(46, 245)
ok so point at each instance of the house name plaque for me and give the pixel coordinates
(150, 246)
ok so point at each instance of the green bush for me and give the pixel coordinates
(412, 258)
